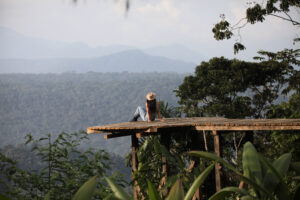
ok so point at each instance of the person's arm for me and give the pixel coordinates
(148, 115)
(158, 111)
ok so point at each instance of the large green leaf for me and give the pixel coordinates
(251, 164)
(200, 179)
(214, 157)
(170, 181)
(87, 190)
(118, 191)
(282, 163)
(275, 173)
(272, 177)
(153, 194)
(225, 192)
(176, 192)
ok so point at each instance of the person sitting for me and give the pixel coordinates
(152, 108)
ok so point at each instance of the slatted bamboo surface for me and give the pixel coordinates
(197, 123)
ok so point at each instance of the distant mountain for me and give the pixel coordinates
(177, 52)
(131, 61)
(16, 45)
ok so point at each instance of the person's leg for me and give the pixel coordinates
(140, 112)
(143, 113)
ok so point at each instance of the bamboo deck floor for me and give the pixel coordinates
(196, 123)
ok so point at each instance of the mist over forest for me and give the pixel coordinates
(52, 103)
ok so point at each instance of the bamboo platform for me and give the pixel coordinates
(142, 128)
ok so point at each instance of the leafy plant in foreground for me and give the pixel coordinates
(265, 179)
(66, 168)
(175, 193)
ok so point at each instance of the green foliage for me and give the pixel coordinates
(238, 47)
(65, 169)
(117, 190)
(152, 193)
(199, 181)
(176, 192)
(150, 162)
(221, 31)
(226, 192)
(86, 191)
(168, 111)
(289, 56)
(265, 179)
(285, 141)
(255, 13)
(232, 88)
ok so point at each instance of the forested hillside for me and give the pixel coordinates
(52, 103)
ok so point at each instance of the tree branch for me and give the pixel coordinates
(287, 19)
(240, 22)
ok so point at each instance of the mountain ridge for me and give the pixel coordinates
(17, 45)
(130, 60)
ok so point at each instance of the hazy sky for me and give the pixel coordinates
(148, 23)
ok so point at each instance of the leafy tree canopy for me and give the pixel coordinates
(257, 12)
(233, 88)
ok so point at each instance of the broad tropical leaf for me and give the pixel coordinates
(275, 173)
(200, 179)
(153, 194)
(118, 191)
(214, 157)
(87, 190)
(272, 176)
(225, 192)
(176, 192)
(251, 164)
(282, 163)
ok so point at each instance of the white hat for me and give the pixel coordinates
(150, 96)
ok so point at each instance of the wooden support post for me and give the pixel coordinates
(164, 140)
(134, 160)
(217, 166)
